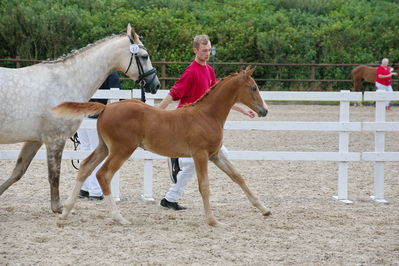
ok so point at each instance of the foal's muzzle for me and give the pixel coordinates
(262, 111)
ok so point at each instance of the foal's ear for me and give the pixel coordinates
(249, 71)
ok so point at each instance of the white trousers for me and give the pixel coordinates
(381, 87)
(88, 142)
(187, 172)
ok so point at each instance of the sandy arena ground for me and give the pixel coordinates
(306, 226)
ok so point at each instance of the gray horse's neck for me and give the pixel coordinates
(80, 75)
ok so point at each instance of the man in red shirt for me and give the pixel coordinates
(383, 79)
(192, 85)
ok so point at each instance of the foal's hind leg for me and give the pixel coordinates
(104, 177)
(25, 157)
(85, 169)
(225, 165)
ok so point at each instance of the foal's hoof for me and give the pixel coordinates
(212, 222)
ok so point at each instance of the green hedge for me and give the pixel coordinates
(272, 31)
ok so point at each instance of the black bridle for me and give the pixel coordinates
(145, 78)
(144, 81)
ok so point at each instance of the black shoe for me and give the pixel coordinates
(96, 197)
(174, 168)
(83, 194)
(172, 205)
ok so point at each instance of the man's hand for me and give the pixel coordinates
(165, 102)
(250, 113)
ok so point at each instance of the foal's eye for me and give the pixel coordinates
(253, 88)
(145, 57)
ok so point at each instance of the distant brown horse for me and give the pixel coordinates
(363, 73)
(193, 131)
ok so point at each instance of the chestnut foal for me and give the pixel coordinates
(193, 131)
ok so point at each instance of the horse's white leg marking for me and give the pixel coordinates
(226, 166)
(70, 202)
(25, 157)
(114, 211)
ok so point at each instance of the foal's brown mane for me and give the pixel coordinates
(217, 84)
(81, 50)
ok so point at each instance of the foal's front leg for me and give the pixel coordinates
(201, 168)
(226, 166)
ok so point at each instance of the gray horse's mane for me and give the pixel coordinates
(81, 50)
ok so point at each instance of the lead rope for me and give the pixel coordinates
(76, 143)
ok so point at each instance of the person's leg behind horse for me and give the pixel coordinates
(389, 89)
(85, 145)
(91, 188)
(381, 87)
(221, 161)
(176, 191)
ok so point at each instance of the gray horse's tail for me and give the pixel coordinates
(75, 110)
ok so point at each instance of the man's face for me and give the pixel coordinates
(203, 52)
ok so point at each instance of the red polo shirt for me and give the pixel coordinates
(193, 84)
(383, 71)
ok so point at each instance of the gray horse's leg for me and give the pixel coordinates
(25, 157)
(54, 155)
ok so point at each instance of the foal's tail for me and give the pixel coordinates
(75, 110)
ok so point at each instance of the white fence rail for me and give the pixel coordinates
(343, 127)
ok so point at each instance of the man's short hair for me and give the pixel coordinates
(200, 39)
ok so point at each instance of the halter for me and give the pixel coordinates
(142, 81)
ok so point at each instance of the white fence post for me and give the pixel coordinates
(148, 174)
(343, 148)
(379, 147)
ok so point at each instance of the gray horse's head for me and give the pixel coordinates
(140, 67)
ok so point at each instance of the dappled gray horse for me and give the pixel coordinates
(27, 95)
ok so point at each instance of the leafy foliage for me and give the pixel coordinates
(269, 31)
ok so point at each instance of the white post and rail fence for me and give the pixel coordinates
(343, 127)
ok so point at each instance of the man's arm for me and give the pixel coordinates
(248, 112)
(381, 76)
(165, 102)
